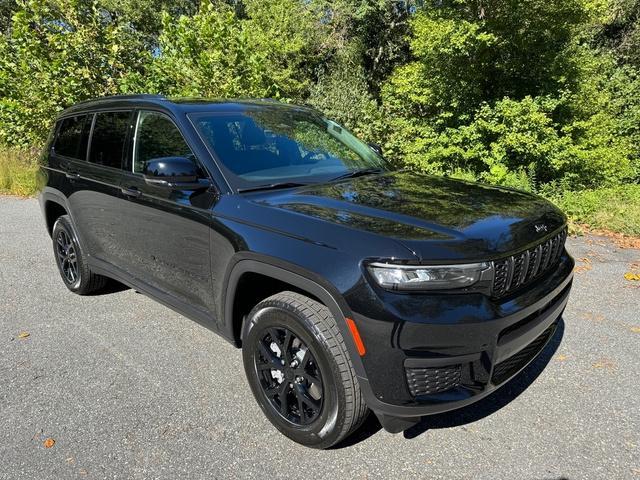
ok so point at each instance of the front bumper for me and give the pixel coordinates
(469, 344)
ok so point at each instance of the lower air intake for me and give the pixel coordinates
(509, 367)
(427, 381)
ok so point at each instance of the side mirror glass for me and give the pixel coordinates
(178, 173)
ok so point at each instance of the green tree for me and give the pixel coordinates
(208, 54)
(55, 56)
(145, 16)
(7, 9)
(618, 28)
(268, 52)
(291, 35)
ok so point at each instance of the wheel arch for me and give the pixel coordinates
(53, 206)
(302, 281)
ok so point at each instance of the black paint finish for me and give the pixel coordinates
(190, 248)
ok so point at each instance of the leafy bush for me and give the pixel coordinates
(486, 97)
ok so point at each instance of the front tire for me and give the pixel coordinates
(72, 260)
(299, 370)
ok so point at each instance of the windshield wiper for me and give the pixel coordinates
(271, 186)
(358, 173)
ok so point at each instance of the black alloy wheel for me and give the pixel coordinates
(72, 261)
(67, 259)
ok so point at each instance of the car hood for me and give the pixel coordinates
(434, 217)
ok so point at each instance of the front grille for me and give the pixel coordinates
(523, 268)
(427, 381)
(509, 367)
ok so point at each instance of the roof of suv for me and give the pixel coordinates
(191, 104)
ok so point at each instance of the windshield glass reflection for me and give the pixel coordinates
(276, 144)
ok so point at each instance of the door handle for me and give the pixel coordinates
(131, 192)
(71, 175)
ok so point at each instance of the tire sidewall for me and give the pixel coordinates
(64, 223)
(324, 430)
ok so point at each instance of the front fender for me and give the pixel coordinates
(247, 262)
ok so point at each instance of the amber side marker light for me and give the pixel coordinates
(356, 336)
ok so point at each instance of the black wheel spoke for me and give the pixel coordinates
(312, 379)
(275, 337)
(286, 345)
(307, 399)
(305, 360)
(273, 390)
(270, 356)
(301, 411)
(284, 400)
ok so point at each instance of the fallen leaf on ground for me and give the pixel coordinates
(561, 358)
(606, 364)
(632, 276)
(582, 268)
(596, 317)
(635, 329)
(620, 239)
(49, 442)
(24, 334)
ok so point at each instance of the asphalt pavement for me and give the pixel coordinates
(126, 388)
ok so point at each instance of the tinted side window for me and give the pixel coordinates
(73, 136)
(108, 138)
(157, 137)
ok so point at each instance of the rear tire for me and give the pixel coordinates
(299, 370)
(72, 261)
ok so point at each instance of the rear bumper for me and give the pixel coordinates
(445, 361)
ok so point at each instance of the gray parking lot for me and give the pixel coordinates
(129, 389)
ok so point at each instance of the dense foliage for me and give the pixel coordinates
(539, 95)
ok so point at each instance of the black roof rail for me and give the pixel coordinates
(141, 96)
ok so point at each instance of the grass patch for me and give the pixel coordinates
(18, 172)
(616, 209)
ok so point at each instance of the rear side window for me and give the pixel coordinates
(157, 137)
(73, 136)
(108, 138)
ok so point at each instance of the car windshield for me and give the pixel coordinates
(270, 145)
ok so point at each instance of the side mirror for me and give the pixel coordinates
(178, 173)
(376, 148)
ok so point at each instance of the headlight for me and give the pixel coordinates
(437, 277)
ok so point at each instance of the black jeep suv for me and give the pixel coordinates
(349, 286)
